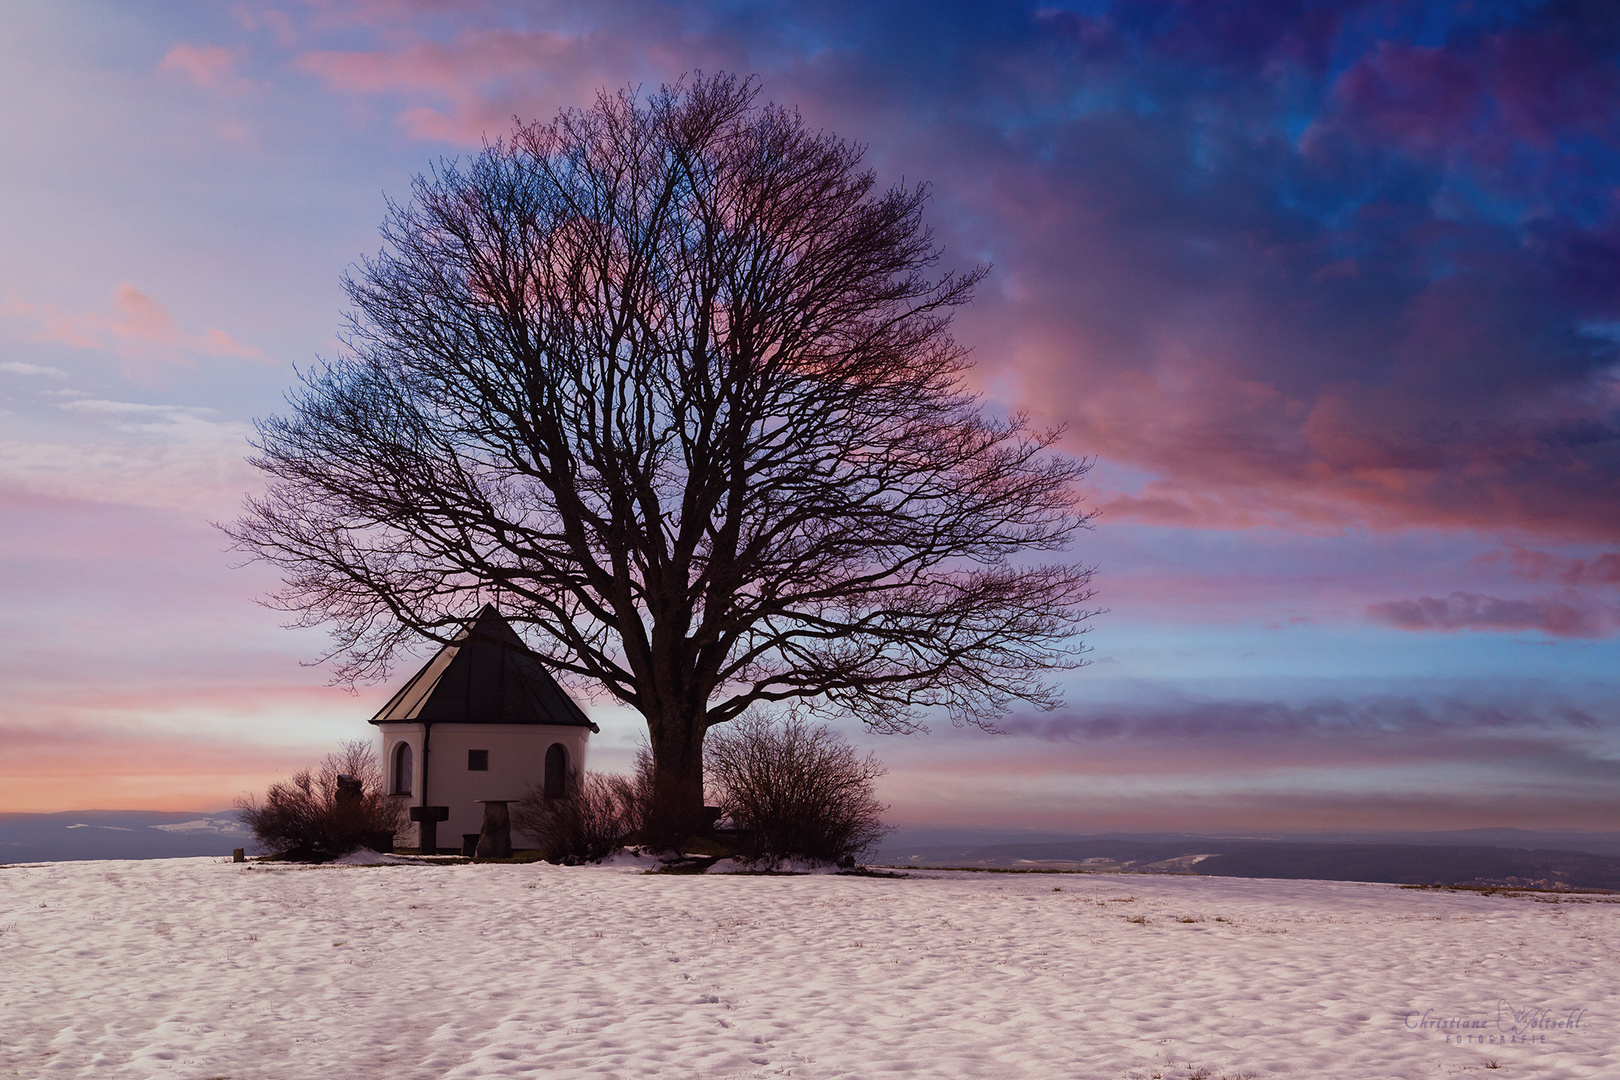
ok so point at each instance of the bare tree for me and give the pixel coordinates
(672, 382)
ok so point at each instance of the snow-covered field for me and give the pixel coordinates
(195, 968)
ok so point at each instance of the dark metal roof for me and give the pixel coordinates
(487, 675)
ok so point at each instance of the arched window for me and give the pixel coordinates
(556, 771)
(402, 769)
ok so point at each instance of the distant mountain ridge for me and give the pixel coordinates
(119, 834)
(1483, 856)
(909, 837)
(1350, 859)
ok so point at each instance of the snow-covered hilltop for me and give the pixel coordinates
(197, 968)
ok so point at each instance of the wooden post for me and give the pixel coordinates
(238, 855)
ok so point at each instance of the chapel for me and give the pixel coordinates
(476, 725)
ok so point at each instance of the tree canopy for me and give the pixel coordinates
(672, 381)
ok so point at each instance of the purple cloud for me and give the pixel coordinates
(1602, 569)
(1388, 720)
(1318, 266)
(1570, 618)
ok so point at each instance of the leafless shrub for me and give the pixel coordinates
(326, 811)
(594, 820)
(793, 790)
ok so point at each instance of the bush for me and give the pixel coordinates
(326, 811)
(593, 821)
(795, 791)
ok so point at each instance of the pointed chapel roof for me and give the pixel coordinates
(486, 675)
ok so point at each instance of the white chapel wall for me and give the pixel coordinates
(517, 757)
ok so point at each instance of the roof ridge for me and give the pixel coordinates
(486, 674)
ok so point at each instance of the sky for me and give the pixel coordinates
(1330, 292)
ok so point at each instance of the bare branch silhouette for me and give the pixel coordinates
(675, 383)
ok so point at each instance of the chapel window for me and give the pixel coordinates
(402, 769)
(556, 771)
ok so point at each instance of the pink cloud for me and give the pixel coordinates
(1535, 565)
(475, 83)
(1571, 617)
(484, 76)
(211, 67)
(1573, 613)
(1234, 452)
(136, 328)
(1187, 389)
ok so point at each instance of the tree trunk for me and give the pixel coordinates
(677, 803)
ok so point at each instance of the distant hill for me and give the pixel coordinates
(1414, 864)
(119, 834)
(1480, 856)
(1398, 863)
(915, 837)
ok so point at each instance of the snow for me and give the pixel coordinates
(222, 826)
(201, 968)
(777, 866)
(367, 857)
(631, 860)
